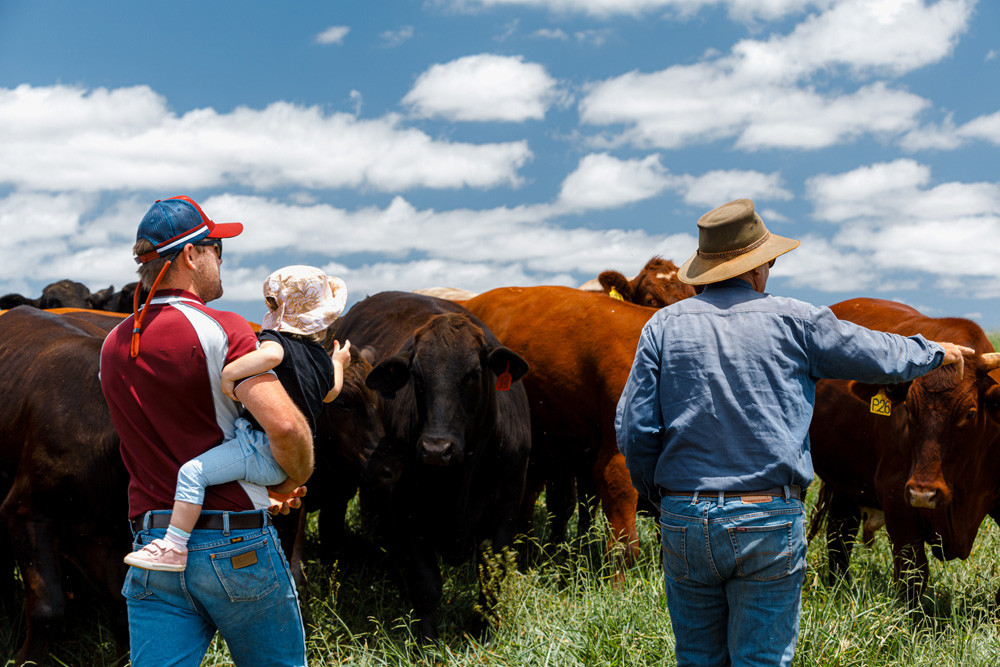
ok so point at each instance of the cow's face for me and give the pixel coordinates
(952, 422)
(453, 373)
(656, 285)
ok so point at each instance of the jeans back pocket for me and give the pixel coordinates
(675, 563)
(247, 572)
(763, 553)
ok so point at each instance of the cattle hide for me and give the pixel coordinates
(580, 346)
(450, 470)
(932, 465)
(64, 482)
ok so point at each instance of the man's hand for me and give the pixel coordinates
(283, 503)
(955, 354)
(229, 389)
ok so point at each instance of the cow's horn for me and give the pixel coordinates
(991, 360)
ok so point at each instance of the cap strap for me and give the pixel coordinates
(137, 316)
(739, 251)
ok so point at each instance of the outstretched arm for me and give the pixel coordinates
(341, 360)
(261, 360)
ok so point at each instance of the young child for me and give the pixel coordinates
(302, 302)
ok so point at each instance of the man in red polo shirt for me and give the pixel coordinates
(160, 373)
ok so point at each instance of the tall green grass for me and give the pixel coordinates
(570, 608)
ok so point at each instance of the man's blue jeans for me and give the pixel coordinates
(733, 574)
(236, 582)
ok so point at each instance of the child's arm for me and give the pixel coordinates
(261, 360)
(341, 360)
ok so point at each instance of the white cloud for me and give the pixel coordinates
(746, 10)
(768, 93)
(484, 87)
(69, 138)
(602, 181)
(893, 218)
(392, 38)
(333, 35)
(715, 188)
(948, 135)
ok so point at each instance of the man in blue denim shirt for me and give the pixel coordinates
(714, 422)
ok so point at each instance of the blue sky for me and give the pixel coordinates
(483, 143)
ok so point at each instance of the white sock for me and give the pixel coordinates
(177, 537)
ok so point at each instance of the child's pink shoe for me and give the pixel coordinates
(159, 555)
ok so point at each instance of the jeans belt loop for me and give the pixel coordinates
(722, 498)
(145, 520)
(225, 523)
(694, 498)
(788, 493)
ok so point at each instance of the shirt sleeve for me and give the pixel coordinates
(844, 350)
(639, 420)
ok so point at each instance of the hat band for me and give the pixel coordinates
(734, 253)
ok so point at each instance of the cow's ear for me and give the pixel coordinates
(368, 354)
(389, 376)
(991, 398)
(613, 280)
(896, 393)
(499, 358)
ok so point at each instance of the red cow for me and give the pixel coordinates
(932, 465)
(580, 346)
(656, 285)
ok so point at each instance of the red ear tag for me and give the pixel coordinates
(503, 380)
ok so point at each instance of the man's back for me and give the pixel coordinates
(167, 404)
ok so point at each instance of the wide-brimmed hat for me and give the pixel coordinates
(732, 240)
(170, 224)
(308, 300)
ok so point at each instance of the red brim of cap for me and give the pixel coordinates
(225, 230)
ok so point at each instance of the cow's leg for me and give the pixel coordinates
(618, 500)
(423, 581)
(99, 560)
(35, 552)
(910, 569)
(560, 501)
(842, 521)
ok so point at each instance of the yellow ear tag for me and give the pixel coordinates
(881, 405)
(615, 295)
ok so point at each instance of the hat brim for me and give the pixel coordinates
(701, 271)
(225, 230)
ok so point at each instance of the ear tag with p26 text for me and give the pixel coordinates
(881, 405)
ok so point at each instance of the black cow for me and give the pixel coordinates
(452, 465)
(61, 474)
(66, 294)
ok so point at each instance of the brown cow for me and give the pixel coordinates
(655, 286)
(932, 466)
(63, 478)
(580, 346)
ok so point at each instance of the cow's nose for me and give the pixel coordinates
(923, 498)
(437, 451)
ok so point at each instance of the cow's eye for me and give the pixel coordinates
(971, 415)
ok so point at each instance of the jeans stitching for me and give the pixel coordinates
(741, 558)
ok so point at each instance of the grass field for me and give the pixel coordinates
(570, 609)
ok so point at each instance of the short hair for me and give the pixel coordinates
(148, 271)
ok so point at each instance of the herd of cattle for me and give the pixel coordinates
(455, 415)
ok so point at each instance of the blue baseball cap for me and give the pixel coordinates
(172, 223)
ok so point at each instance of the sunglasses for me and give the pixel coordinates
(214, 243)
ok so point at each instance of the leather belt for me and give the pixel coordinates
(794, 491)
(212, 521)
